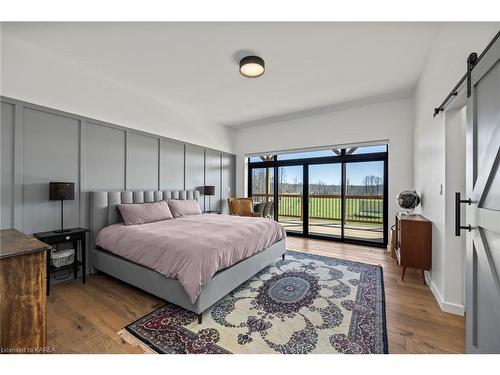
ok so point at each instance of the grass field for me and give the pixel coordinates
(368, 210)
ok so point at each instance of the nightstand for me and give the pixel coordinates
(413, 243)
(74, 235)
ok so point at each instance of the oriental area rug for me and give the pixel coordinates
(303, 304)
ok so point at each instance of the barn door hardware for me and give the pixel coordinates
(458, 201)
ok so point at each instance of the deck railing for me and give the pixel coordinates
(360, 208)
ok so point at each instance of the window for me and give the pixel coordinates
(338, 194)
(262, 181)
(307, 154)
(262, 185)
(366, 149)
(261, 158)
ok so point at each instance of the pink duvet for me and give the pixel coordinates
(193, 248)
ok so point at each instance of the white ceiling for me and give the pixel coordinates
(195, 65)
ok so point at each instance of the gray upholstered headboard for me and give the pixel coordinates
(103, 204)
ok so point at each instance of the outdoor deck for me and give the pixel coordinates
(363, 215)
(355, 230)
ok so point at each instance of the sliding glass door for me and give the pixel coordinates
(338, 194)
(290, 195)
(364, 201)
(325, 200)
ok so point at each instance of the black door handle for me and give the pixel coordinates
(459, 200)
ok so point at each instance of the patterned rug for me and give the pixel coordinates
(303, 304)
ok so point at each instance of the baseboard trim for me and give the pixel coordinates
(452, 308)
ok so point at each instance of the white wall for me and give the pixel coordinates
(33, 75)
(391, 120)
(444, 67)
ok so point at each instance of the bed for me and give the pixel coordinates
(104, 214)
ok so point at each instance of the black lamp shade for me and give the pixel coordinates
(209, 190)
(61, 191)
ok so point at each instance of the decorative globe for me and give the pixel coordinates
(408, 200)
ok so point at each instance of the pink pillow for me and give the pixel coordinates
(142, 213)
(184, 207)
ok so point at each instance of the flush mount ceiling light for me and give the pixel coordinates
(252, 66)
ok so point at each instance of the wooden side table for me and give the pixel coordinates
(74, 235)
(413, 243)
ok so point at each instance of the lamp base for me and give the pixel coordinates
(62, 230)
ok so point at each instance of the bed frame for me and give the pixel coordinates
(104, 212)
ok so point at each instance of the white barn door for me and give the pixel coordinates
(483, 214)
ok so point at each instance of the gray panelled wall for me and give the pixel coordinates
(40, 144)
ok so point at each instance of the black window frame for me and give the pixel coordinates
(344, 159)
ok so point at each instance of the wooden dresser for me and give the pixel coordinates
(23, 310)
(413, 243)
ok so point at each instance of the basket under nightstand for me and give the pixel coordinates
(74, 235)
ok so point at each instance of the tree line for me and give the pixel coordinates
(371, 185)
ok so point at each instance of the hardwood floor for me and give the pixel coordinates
(86, 318)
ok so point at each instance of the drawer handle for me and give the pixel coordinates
(68, 237)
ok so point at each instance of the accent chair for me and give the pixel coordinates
(242, 207)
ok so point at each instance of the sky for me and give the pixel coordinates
(330, 173)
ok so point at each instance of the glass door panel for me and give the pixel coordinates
(364, 201)
(325, 202)
(290, 193)
(263, 189)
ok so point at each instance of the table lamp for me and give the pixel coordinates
(61, 191)
(209, 191)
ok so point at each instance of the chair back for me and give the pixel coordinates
(268, 209)
(260, 208)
